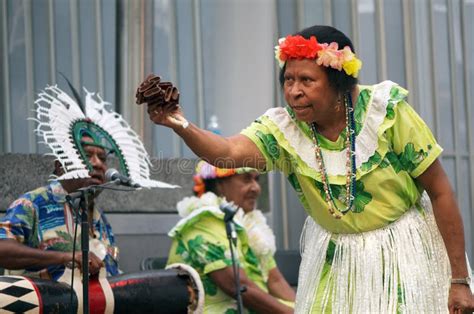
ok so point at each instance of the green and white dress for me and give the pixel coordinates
(386, 255)
(200, 240)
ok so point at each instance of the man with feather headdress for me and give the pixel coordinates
(38, 231)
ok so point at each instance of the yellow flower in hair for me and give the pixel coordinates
(352, 67)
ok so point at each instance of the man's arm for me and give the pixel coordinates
(14, 255)
(254, 298)
(279, 287)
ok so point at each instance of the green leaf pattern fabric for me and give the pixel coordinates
(362, 197)
(404, 148)
(202, 243)
(270, 144)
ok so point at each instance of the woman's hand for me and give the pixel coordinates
(162, 99)
(169, 117)
(460, 300)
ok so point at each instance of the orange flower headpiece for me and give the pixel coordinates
(206, 171)
(328, 55)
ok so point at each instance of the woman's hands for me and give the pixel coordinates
(162, 99)
(460, 300)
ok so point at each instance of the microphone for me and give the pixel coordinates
(230, 210)
(113, 175)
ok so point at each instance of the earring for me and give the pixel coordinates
(339, 104)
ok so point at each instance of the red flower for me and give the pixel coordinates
(298, 47)
(199, 186)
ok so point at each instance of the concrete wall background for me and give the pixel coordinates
(24, 172)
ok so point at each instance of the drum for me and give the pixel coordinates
(174, 290)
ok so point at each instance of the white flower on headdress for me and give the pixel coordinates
(330, 56)
(281, 63)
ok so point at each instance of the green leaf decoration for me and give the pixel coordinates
(396, 95)
(270, 144)
(290, 112)
(361, 109)
(198, 253)
(410, 158)
(384, 163)
(401, 298)
(373, 160)
(209, 286)
(295, 183)
(390, 112)
(394, 161)
(362, 198)
(196, 243)
(231, 311)
(181, 248)
(214, 252)
(251, 258)
(330, 252)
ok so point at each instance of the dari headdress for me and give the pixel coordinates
(328, 55)
(206, 171)
(63, 122)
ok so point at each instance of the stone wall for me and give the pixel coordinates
(20, 173)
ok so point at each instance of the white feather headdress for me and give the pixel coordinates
(59, 116)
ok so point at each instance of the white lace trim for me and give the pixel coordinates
(335, 162)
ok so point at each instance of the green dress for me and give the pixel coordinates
(354, 264)
(200, 240)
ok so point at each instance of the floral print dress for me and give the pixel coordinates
(393, 147)
(200, 240)
(40, 219)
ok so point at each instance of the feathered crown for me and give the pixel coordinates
(62, 122)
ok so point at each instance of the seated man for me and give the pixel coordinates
(200, 240)
(37, 232)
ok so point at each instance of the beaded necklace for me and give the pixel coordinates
(350, 163)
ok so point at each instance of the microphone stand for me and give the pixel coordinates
(232, 237)
(83, 195)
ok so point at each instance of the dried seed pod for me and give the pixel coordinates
(154, 92)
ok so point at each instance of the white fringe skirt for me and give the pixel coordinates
(402, 268)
